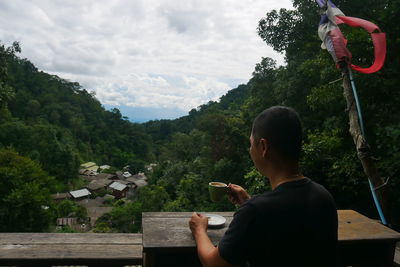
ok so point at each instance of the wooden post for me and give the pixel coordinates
(363, 149)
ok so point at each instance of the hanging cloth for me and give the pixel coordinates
(336, 44)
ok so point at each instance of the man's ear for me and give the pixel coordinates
(264, 147)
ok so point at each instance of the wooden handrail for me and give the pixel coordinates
(48, 249)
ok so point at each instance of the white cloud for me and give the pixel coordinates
(143, 53)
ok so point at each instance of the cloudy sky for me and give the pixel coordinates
(151, 59)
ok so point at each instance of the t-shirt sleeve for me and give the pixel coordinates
(233, 245)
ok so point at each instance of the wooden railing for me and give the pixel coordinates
(117, 250)
(50, 249)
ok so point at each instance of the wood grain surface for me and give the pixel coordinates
(93, 249)
(171, 229)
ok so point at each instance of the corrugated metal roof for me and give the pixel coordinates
(127, 174)
(105, 167)
(117, 186)
(80, 193)
(87, 165)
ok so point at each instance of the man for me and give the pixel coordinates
(295, 224)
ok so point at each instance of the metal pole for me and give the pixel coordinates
(381, 196)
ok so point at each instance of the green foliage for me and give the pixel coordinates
(255, 183)
(68, 208)
(25, 203)
(60, 124)
(110, 170)
(152, 197)
(211, 142)
(65, 208)
(277, 30)
(65, 229)
(6, 91)
(126, 218)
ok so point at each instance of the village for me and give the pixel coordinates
(102, 190)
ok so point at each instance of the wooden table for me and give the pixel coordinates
(167, 237)
(365, 242)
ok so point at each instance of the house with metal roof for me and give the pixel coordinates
(118, 186)
(89, 168)
(79, 194)
(119, 190)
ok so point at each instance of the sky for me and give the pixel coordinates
(152, 59)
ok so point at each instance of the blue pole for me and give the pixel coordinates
(360, 118)
(353, 86)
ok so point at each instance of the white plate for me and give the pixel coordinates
(215, 220)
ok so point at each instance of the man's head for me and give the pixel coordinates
(278, 129)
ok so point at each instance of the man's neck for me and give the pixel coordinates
(278, 177)
(277, 182)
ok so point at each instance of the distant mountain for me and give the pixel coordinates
(144, 114)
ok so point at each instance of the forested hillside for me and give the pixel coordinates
(59, 124)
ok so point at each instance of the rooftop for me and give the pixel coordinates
(118, 186)
(80, 193)
(98, 183)
(87, 165)
(103, 167)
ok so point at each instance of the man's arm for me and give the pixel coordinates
(208, 253)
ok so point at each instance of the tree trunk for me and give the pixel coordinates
(363, 149)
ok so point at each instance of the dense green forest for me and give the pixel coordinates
(54, 124)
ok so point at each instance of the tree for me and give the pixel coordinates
(25, 203)
(6, 91)
(68, 208)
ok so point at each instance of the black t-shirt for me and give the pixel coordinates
(293, 225)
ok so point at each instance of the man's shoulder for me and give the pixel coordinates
(290, 194)
(321, 192)
(262, 200)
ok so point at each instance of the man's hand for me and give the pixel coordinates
(237, 195)
(207, 252)
(198, 223)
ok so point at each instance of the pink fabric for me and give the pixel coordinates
(339, 45)
(378, 39)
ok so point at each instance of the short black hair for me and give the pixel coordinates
(281, 127)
